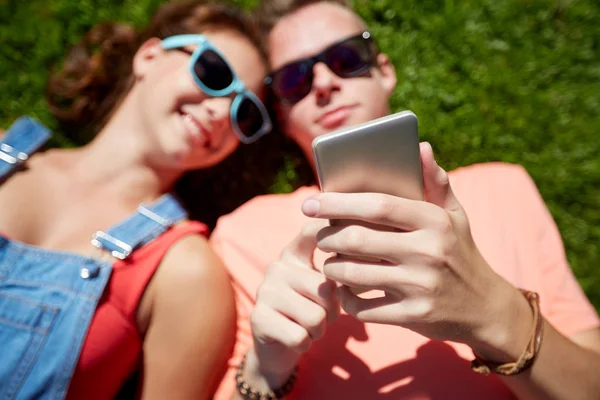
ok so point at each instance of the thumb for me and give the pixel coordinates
(301, 250)
(436, 184)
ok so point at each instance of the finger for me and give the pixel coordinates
(375, 208)
(366, 275)
(365, 309)
(308, 314)
(311, 284)
(270, 326)
(406, 311)
(301, 250)
(436, 183)
(397, 280)
(360, 241)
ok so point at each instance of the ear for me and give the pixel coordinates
(145, 56)
(388, 73)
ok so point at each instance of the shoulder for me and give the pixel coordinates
(254, 234)
(192, 280)
(191, 275)
(190, 260)
(494, 172)
(501, 201)
(191, 326)
(271, 204)
(264, 213)
(493, 182)
(498, 193)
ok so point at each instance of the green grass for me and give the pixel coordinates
(510, 80)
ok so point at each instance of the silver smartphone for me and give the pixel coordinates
(379, 156)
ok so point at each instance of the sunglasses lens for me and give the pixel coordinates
(213, 70)
(249, 118)
(349, 57)
(293, 82)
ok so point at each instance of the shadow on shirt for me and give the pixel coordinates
(437, 372)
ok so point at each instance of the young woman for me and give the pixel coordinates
(101, 273)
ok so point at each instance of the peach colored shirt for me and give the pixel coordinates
(512, 228)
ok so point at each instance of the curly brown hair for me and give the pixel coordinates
(97, 72)
(96, 75)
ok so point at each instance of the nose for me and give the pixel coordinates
(325, 82)
(217, 109)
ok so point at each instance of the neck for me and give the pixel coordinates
(118, 162)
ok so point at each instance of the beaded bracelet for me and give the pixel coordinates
(249, 393)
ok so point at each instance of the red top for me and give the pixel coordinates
(113, 345)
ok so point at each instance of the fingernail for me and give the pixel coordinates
(427, 147)
(310, 208)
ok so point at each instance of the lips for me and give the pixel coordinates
(196, 133)
(335, 117)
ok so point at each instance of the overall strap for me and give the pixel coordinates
(146, 224)
(24, 137)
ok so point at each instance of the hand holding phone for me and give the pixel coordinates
(379, 156)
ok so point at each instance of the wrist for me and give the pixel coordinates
(508, 328)
(262, 379)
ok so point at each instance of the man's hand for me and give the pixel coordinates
(435, 281)
(294, 304)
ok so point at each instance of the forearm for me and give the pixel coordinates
(562, 370)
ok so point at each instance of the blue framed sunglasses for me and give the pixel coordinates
(213, 74)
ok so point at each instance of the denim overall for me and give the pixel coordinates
(48, 298)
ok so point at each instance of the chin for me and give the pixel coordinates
(360, 118)
(203, 160)
(195, 161)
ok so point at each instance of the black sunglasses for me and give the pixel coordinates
(347, 58)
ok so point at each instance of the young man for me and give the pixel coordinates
(450, 283)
